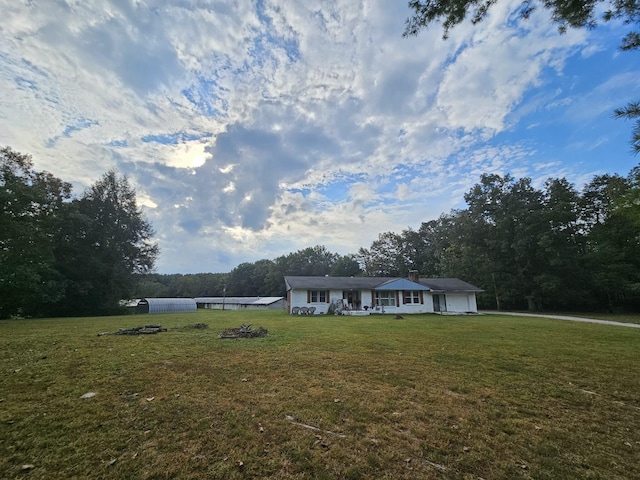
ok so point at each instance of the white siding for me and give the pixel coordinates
(461, 302)
(455, 302)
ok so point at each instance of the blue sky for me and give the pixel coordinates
(254, 129)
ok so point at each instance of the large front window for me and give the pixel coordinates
(386, 299)
(411, 296)
(318, 296)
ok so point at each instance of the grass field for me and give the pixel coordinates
(424, 397)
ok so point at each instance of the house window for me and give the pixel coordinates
(317, 296)
(411, 296)
(386, 299)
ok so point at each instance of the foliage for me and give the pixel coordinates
(632, 112)
(263, 277)
(30, 202)
(387, 256)
(528, 248)
(553, 248)
(62, 257)
(106, 241)
(573, 14)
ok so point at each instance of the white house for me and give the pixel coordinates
(362, 295)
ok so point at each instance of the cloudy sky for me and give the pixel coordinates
(251, 129)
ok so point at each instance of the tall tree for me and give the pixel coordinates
(29, 204)
(613, 246)
(346, 266)
(387, 256)
(505, 213)
(565, 278)
(107, 241)
(308, 261)
(565, 14)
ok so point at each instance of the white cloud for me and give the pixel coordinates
(251, 130)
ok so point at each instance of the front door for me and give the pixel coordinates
(439, 303)
(352, 298)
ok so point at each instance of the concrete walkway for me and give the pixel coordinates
(562, 317)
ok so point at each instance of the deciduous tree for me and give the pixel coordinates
(107, 240)
(29, 204)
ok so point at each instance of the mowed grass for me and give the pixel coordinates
(429, 397)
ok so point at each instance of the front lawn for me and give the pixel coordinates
(426, 396)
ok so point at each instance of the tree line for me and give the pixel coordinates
(263, 277)
(66, 256)
(549, 248)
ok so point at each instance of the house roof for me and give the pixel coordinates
(239, 300)
(345, 283)
(401, 284)
(378, 283)
(449, 285)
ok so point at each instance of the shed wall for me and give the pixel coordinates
(171, 305)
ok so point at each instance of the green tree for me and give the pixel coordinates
(308, 261)
(30, 202)
(565, 14)
(245, 280)
(612, 206)
(505, 215)
(387, 256)
(107, 241)
(346, 266)
(565, 280)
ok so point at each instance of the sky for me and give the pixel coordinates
(253, 129)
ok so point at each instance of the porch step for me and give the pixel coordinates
(357, 313)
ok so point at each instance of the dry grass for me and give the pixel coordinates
(423, 397)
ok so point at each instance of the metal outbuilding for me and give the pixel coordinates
(166, 305)
(241, 303)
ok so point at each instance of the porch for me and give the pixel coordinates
(356, 313)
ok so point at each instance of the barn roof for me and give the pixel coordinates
(165, 305)
(239, 300)
(449, 285)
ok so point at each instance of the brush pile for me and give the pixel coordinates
(244, 331)
(152, 328)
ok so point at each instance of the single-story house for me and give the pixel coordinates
(166, 305)
(241, 303)
(362, 295)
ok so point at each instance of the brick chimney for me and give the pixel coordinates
(414, 276)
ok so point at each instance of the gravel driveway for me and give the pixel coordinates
(563, 317)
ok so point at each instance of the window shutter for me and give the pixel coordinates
(397, 299)
(308, 296)
(327, 297)
(421, 297)
(373, 298)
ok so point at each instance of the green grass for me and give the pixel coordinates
(426, 397)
